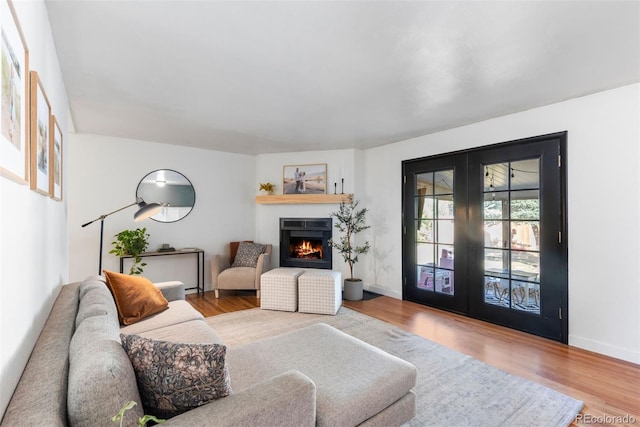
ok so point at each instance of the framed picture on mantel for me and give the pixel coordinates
(304, 179)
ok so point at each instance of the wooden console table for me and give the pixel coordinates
(199, 267)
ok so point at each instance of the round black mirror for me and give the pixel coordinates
(171, 189)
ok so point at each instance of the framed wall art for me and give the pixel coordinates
(55, 160)
(14, 100)
(39, 135)
(304, 179)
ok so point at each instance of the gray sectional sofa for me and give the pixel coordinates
(79, 374)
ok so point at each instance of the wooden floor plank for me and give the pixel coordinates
(609, 387)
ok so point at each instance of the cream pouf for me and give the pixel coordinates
(320, 291)
(279, 289)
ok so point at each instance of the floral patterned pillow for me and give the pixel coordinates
(248, 254)
(174, 378)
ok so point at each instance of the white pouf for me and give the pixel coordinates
(320, 291)
(279, 289)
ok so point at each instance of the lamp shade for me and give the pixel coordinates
(146, 210)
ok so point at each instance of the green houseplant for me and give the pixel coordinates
(142, 421)
(133, 243)
(350, 221)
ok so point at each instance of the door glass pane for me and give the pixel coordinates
(424, 252)
(424, 207)
(496, 291)
(443, 182)
(444, 231)
(495, 235)
(511, 226)
(443, 282)
(445, 206)
(424, 183)
(424, 231)
(496, 177)
(424, 279)
(525, 204)
(525, 174)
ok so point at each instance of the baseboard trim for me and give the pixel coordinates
(604, 348)
(383, 291)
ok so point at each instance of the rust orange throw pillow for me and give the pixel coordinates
(136, 297)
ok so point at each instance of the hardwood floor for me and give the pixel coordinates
(609, 387)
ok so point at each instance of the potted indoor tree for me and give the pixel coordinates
(349, 221)
(131, 243)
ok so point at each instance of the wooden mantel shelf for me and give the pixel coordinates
(290, 199)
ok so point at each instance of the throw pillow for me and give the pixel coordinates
(248, 254)
(233, 250)
(135, 296)
(174, 378)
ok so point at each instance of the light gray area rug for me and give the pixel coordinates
(452, 389)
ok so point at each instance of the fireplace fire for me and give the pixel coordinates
(304, 242)
(309, 249)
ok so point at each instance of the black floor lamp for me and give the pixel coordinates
(145, 211)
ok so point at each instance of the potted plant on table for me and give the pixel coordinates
(349, 221)
(131, 243)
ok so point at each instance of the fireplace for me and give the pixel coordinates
(304, 242)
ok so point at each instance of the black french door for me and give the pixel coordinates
(484, 234)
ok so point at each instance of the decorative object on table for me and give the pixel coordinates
(171, 189)
(14, 99)
(133, 243)
(142, 421)
(145, 211)
(304, 179)
(266, 188)
(166, 248)
(350, 221)
(40, 123)
(55, 160)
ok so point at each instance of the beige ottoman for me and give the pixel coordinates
(320, 291)
(279, 289)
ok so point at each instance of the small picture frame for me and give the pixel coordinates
(304, 179)
(40, 138)
(14, 99)
(55, 160)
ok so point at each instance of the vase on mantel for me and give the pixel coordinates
(265, 193)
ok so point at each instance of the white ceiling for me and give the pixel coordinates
(269, 76)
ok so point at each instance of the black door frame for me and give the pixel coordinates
(553, 319)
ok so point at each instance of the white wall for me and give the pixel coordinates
(33, 228)
(340, 164)
(603, 208)
(103, 176)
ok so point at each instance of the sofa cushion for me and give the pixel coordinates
(95, 300)
(248, 254)
(178, 312)
(101, 378)
(173, 377)
(354, 384)
(136, 297)
(191, 332)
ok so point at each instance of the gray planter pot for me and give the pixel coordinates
(352, 289)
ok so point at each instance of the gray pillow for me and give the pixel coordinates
(248, 254)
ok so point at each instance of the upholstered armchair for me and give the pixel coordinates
(240, 266)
